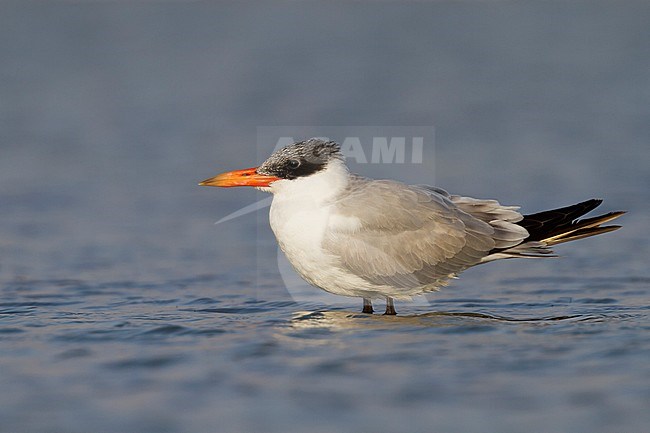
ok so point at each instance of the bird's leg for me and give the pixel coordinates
(367, 306)
(390, 308)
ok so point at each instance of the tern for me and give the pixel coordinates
(382, 239)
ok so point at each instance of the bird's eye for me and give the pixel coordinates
(294, 163)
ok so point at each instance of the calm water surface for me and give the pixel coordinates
(123, 308)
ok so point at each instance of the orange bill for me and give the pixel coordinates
(245, 177)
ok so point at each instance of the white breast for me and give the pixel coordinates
(299, 229)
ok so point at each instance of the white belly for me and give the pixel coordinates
(300, 229)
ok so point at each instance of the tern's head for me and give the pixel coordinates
(299, 160)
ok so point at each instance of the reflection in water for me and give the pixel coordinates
(346, 320)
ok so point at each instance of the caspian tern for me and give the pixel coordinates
(383, 239)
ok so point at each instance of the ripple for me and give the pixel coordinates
(167, 330)
(203, 301)
(75, 353)
(145, 363)
(229, 310)
(95, 335)
(11, 330)
(466, 300)
(501, 318)
(21, 310)
(597, 301)
(37, 304)
(208, 331)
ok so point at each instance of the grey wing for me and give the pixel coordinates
(503, 219)
(409, 237)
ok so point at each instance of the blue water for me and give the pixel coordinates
(124, 308)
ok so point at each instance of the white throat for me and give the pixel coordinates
(317, 188)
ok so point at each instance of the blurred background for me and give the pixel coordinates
(112, 111)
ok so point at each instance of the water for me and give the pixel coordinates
(123, 308)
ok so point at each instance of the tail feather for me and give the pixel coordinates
(583, 228)
(557, 226)
(546, 224)
(584, 233)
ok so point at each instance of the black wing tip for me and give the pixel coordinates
(550, 223)
(595, 202)
(590, 204)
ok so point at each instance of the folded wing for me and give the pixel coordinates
(415, 237)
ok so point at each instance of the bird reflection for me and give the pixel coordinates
(348, 320)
